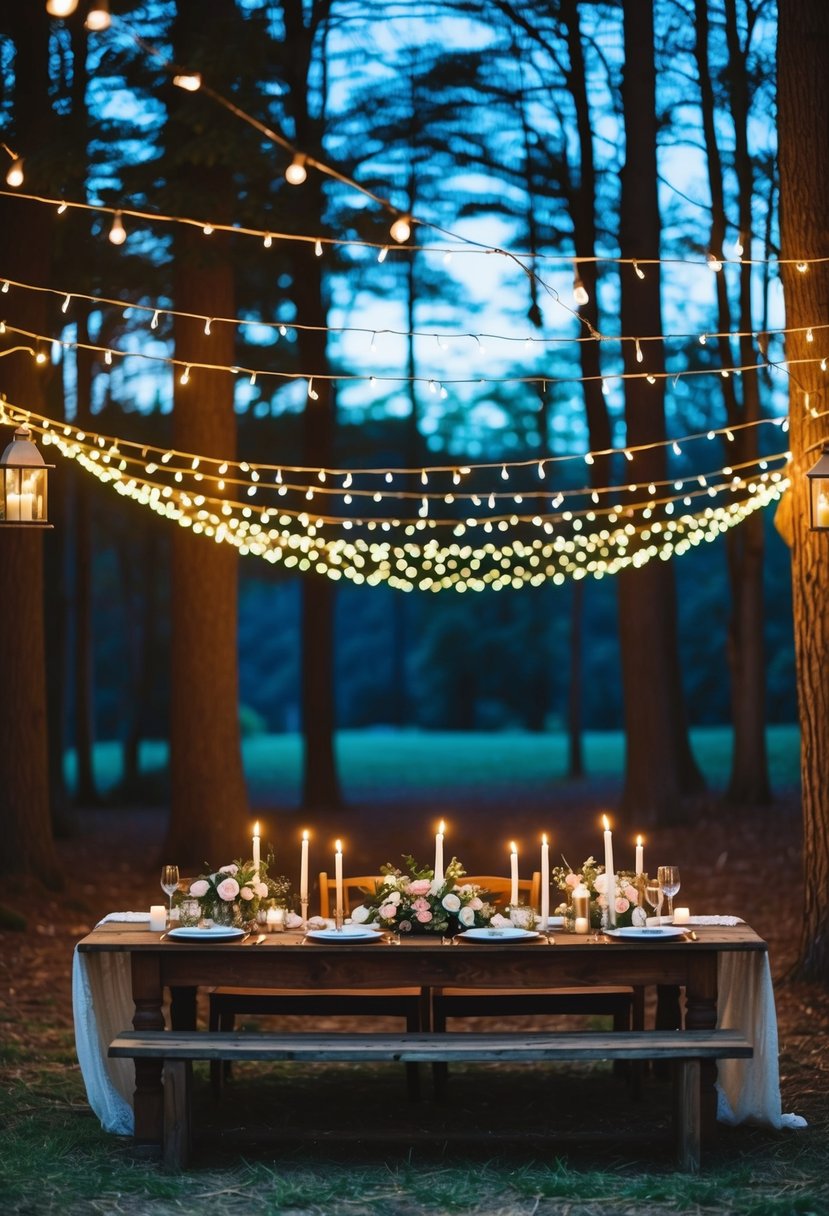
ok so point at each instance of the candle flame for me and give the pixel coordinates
(338, 846)
(543, 837)
(305, 834)
(256, 828)
(639, 841)
(441, 828)
(513, 847)
(606, 823)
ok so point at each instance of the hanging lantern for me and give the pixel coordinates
(818, 478)
(23, 483)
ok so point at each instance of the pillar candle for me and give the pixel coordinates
(682, 916)
(256, 851)
(158, 918)
(640, 856)
(338, 875)
(275, 919)
(581, 909)
(610, 873)
(303, 870)
(822, 512)
(439, 875)
(513, 863)
(545, 882)
(20, 506)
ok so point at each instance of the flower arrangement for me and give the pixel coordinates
(235, 893)
(593, 877)
(413, 902)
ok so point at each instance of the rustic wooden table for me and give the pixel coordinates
(286, 961)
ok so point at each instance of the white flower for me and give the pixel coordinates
(262, 890)
(500, 920)
(451, 902)
(393, 897)
(600, 883)
(231, 869)
(476, 904)
(436, 886)
(467, 916)
(360, 914)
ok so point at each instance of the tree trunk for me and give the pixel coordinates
(660, 768)
(320, 782)
(208, 811)
(25, 249)
(803, 120)
(749, 780)
(575, 748)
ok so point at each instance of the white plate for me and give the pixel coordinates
(348, 933)
(499, 933)
(214, 933)
(649, 934)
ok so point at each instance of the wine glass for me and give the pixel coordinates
(169, 882)
(669, 882)
(653, 894)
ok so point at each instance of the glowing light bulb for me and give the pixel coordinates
(268, 241)
(809, 335)
(714, 263)
(98, 18)
(189, 81)
(65, 305)
(117, 233)
(154, 322)
(383, 254)
(61, 8)
(639, 272)
(580, 293)
(14, 176)
(738, 247)
(296, 173)
(639, 355)
(401, 229)
(802, 267)
(312, 392)
(318, 247)
(184, 378)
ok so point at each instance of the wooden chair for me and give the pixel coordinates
(225, 1004)
(624, 1004)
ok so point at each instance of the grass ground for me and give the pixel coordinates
(346, 1141)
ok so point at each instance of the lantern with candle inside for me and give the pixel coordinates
(23, 483)
(818, 479)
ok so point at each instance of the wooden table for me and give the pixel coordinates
(282, 961)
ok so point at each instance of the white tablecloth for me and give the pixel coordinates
(748, 1091)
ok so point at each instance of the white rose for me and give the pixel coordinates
(360, 914)
(451, 902)
(466, 916)
(393, 897)
(601, 883)
(437, 886)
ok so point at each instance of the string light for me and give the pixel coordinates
(714, 263)
(383, 254)
(296, 173)
(580, 293)
(638, 271)
(639, 355)
(401, 229)
(98, 17)
(117, 233)
(318, 248)
(14, 173)
(61, 8)
(191, 82)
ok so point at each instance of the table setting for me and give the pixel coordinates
(234, 908)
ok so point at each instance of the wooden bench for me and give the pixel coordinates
(685, 1047)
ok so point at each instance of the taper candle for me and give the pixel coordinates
(439, 875)
(610, 874)
(545, 882)
(256, 851)
(640, 856)
(513, 864)
(338, 877)
(303, 870)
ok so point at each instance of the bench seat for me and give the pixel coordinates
(685, 1047)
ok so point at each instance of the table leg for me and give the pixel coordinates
(148, 1101)
(701, 1014)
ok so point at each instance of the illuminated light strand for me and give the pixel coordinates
(466, 245)
(512, 565)
(284, 377)
(81, 448)
(22, 414)
(156, 311)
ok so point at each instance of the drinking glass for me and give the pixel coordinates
(653, 894)
(169, 882)
(669, 882)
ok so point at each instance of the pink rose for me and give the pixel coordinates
(572, 880)
(388, 912)
(421, 886)
(421, 905)
(246, 893)
(228, 889)
(476, 904)
(622, 904)
(424, 917)
(631, 894)
(199, 888)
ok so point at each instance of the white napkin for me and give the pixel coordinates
(126, 918)
(725, 921)
(321, 922)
